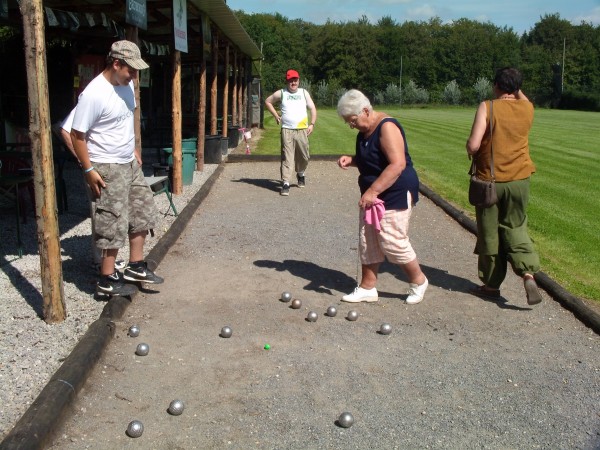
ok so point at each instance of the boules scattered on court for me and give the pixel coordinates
(346, 420)
(176, 408)
(296, 303)
(312, 316)
(226, 332)
(286, 296)
(332, 311)
(385, 328)
(135, 429)
(352, 316)
(134, 331)
(142, 349)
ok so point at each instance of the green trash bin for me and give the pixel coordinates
(188, 163)
(191, 143)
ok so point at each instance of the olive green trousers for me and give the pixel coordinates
(502, 235)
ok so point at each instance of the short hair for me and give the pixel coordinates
(508, 79)
(352, 103)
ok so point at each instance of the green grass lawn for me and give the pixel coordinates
(564, 206)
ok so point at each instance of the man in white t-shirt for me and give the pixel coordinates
(295, 128)
(104, 140)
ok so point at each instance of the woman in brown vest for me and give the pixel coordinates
(502, 235)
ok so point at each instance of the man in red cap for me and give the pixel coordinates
(295, 128)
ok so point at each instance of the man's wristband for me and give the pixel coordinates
(312, 124)
(88, 170)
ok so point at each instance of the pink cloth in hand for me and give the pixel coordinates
(374, 214)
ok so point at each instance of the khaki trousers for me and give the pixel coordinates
(502, 235)
(294, 152)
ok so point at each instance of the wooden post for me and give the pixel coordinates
(132, 35)
(241, 98)
(234, 67)
(176, 106)
(54, 309)
(213, 85)
(226, 91)
(201, 113)
(247, 102)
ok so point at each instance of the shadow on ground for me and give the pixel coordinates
(324, 280)
(271, 185)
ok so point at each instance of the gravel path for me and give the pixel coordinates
(30, 349)
(456, 372)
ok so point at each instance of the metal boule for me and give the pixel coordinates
(352, 316)
(135, 429)
(312, 316)
(226, 332)
(346, 420)
(134, 331)
(286, 296)
(296, 303)
(332, 311)
(142, 349)
(385, 328)
(176, 407)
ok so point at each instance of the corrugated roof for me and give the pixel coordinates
(226, 20)
(159, 14)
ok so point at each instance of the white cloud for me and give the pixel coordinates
(593, 17)
(423, 12)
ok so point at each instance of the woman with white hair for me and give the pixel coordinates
(389, 188)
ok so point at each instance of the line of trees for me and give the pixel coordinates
(424, 62)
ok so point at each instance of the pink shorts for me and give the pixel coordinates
(391, 242)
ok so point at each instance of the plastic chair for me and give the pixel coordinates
(17, 179)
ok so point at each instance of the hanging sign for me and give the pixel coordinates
(136, 13)
(180, 25)
(206, 36)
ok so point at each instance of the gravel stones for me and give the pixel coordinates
(31, 350)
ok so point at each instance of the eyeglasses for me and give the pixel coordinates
(354, 121)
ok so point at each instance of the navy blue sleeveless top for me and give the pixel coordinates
(371, 161)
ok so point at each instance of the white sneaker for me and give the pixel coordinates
(361, 295)
(416, 292)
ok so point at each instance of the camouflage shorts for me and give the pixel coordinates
(126, 205)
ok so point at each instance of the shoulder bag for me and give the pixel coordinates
(482, 193)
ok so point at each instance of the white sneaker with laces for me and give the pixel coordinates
(416, 292)
(361, 295)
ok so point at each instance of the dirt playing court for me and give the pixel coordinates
(456, 371)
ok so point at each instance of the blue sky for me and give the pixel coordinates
(520, 15)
